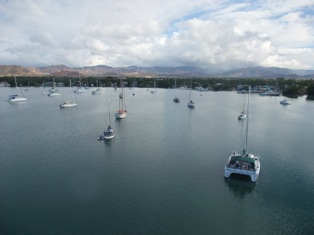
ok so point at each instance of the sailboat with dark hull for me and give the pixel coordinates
(109, 133)
(244, 163)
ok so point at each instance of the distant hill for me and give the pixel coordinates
(15, 70)
(155, 71)
(265, 72)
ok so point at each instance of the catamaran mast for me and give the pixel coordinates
(247, 121)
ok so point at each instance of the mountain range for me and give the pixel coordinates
(155, 71)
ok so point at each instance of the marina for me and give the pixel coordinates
(163, 173)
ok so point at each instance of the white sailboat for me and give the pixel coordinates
(16, 98)
(53, 90)
(97, 91)
(154, 90)
(121, 113)
(285, 102)
(80, 89)
(244, 163)
(242, 115)
(191, 103)
(68, 103)
(175, 99)
(109, 133)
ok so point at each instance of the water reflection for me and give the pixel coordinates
(240, 185)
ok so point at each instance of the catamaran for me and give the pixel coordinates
(244, 163)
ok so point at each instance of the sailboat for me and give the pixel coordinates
(154, 90)
(242, 115)
(244, 163)
(175, 99)
(80, 89)
(68, 103)
(191, 103)
(109, 133)
(53, 91)
(121, 113)
(16, 98)
(97, 91)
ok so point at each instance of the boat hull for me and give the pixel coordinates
(17, 99)
(54, 94)
(190, 105)
(242, 167)
(120, 115)
(68, 105)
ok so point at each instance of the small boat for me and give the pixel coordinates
(244, 163)
(68, 104)
(80, 89)
(285, 102)
(53, 90)
(199, 88)
(154, 90)
(96, 92)
(175, 99)
(16, 98)
(54, 94)
(121, 113)
(242, 115)
(191, 103)
(109, 133)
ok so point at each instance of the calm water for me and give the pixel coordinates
(163, 173)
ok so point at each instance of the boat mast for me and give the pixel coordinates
(109, 108)
(247, 121)
(122, 93)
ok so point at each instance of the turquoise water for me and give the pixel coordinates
(163, 173)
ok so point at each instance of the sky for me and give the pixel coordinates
(212, 34)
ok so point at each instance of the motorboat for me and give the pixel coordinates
(285, 102)
(68, 104)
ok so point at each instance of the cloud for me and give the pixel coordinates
(222, 34)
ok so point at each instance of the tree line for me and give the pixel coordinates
(289, 87)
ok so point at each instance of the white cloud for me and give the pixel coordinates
(225, 34)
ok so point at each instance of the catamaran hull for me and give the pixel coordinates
(253, 174)
(241, 167)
